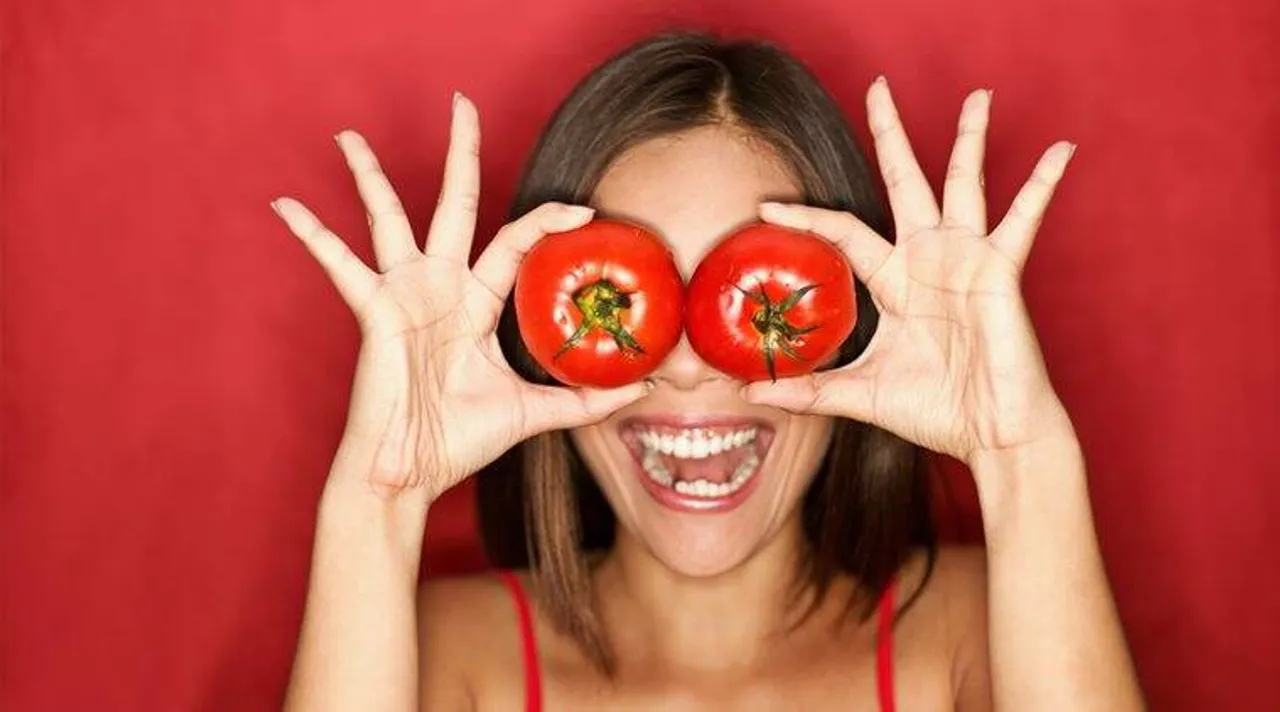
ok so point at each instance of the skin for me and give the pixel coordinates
(694, 190)
(694, 605)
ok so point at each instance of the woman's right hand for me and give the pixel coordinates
(434, 399)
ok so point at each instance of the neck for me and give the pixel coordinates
(660, 617)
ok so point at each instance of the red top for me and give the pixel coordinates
(533, 675)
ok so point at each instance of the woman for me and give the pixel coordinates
(821, 589)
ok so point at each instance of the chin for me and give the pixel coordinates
(704, 492)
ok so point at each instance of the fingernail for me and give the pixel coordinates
(337, 138)
(582, 211)
(990, 93)
(457, 96)
(1072, 151)
(649, 385)
(880, 79)
(275, 205)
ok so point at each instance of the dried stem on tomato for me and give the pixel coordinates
(776, 333)
(602, 304)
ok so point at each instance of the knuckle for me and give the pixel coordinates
(1024, 212)
(894, 176)
(838, 225)
(367, 168)
(885, 123)
(466, 200)
(316, 232)
(882, 128)
(1043, 180)
(392, 212)
(959, 172)
(549, 208)
(501, 237)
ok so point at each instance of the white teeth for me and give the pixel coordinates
(683, 448)
(745, 468)
(711, 490)
(654, 467)
(696, 443)
(701, 448)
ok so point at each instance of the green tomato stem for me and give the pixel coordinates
(776, 333)
(602, 304)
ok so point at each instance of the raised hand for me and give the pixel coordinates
(954, 365)
(433, 398)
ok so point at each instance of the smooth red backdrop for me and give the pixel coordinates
(176, 368)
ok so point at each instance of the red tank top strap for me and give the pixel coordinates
(533, 674)
(884, 648)
(528, 643)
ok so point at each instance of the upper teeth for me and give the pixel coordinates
(695, 443)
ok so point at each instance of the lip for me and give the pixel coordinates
(669, 497)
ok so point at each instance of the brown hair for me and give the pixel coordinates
(868, 506)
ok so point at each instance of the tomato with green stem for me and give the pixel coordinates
(601, 305)
(770, 302)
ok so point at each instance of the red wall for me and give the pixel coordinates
(176, 368)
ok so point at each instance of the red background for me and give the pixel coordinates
(176, 368)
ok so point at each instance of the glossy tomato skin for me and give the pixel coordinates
(766, 264)
(634, 268)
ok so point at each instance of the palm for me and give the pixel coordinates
(434, 399)
(954, 365)
(951, 362)
(434, 346)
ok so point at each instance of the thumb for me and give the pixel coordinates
(835, 393)
(558, 407)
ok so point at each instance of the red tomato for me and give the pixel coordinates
(601, 305)
(769, 302)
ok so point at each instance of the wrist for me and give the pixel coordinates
(354, 523)
(1040, 479)
(354, 504)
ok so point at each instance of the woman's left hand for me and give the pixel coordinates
(954, 365)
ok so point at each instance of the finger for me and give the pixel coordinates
(393, 242)
(963, 203)
(910, 197)
(355, 282)
(558, 408)
(497, 266)
(841, 393)
(1017, 231)
(866, 250)
(454, 223)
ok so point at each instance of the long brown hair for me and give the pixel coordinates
(868, 506)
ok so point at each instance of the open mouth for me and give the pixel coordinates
(697, 464)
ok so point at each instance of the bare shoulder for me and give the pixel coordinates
(946, 623)
(961, 572)
(949, 599)
(466, 605)
(470, 642)
(958, 575)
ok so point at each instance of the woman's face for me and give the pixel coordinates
(694, 473)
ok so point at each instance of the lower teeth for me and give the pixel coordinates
(659, 473)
